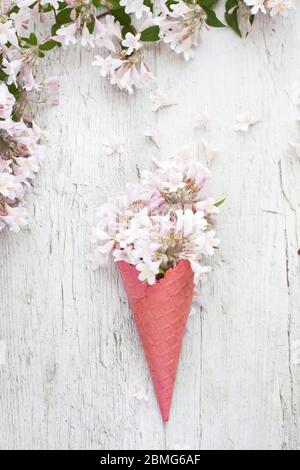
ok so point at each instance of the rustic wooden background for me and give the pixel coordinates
(72, 372)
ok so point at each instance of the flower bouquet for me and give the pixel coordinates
(160, 233)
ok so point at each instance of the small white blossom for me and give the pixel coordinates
(148, 271)
(87, 39)
(134, 6)
(8, 33)
(67, 34)
(132, 42)
(256, 6)
(210, 152)
(202, 120)
(53, 3)
(280, 7)
(16, 217)
(113, 145)
(153, 135)
(243, 123)
(160, 100)
(12, 69)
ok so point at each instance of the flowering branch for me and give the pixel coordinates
(122, 28)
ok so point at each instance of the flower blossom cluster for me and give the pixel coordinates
(181, 25)
(165, 218)
(240, 14)
(273, 7)
(21, 152)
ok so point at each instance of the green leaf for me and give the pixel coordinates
(217, 204)
(207, 3)
(149, 4)
(212, 19)
(231, 16)
(150, 34)
(32, 39)
(54, 29)
(128, 29)
(48, 45)
(121, 16)
(64, 16)
(91, 26)
(2, 75)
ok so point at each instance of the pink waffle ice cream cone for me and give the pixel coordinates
(160, 313)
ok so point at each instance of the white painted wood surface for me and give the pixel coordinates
(71, 361)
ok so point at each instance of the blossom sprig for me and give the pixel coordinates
(121, 27)
(165, 218)
(240, 14)
(21, 152)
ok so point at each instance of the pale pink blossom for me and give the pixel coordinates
(132, 43)
(7, 102)
(113, 145)
(160, 100)
(67, 34)
(280, 7)
(8, 33)
(134, 6)
(15, 218)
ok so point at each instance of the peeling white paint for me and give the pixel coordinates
(74, 357)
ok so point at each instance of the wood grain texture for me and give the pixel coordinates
(71, 360)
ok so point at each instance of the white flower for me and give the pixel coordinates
(12, 69)
(87, 38)
(25, 3)
(7, 102)
(8, 33)
(180, 27)
(113, 145)
(107, 65)
(5, 165)
(210, 152)
(29, 166)
(67, 34)
(202, 120)
(148, 271)
(134, 6)
(142, 394)
(160, 100)
(9, 186)
(101, 254)
(199, 270)
(208, 242)
(153, 135)
(132, 42)
(16, 217)
(53, 3)
(106, 31)
(256, 6)
(243, 123)
(126, 72)
(175, 181)
(21, 19)
(280, 7)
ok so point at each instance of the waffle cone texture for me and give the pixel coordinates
(160, 313)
